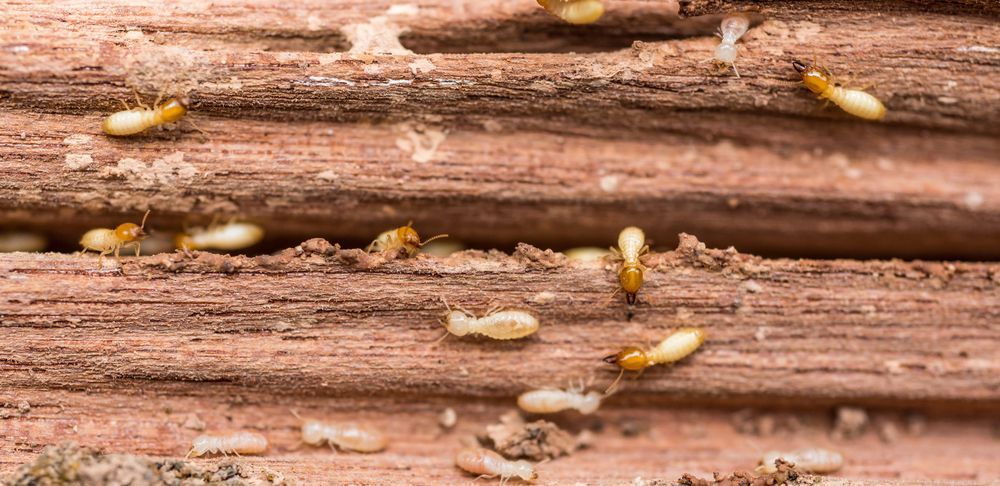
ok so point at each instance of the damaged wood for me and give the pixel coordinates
(321, 320)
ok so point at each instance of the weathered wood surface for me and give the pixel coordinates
(897, 448)
(986, 8)
(922, 195)
(341, 322)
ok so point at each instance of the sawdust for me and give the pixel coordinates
(68, 465)
(541, 259)
(514, 438)
(785, 474)
(166, 172)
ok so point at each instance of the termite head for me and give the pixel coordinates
(590, 402)
(814, 77)
(458, 323)
(174, 109)
(409, 239)
(630, 358)
(630, 278)
(725, 53)
(183, 241)
(312, 432)
(525, 470)
(127, 232)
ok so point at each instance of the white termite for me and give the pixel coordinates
(236, 443)
(496, 324)
(554, 400)
(814, 460)
(346, 436)
(732, 28)
(487, 463)
(230, 236)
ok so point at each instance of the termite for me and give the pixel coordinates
(489, 464)
(675, 347)
(230, 236)
(554, 400)
(815, 460)
(496, 324)
(631, 246)
(22, 241)
(404, 237)
(142, 117)
(105, 240)
(574, 11)
(854, 101)
(346, 436)
(237, 443)
(586, 253)
(732, 28)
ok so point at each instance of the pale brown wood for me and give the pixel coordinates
(663, 444)
(985, 8)
(342, 322)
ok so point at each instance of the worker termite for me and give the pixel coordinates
(346, 436)
(404, 237)
(853, 101)
(586, 253)
(142, 117)
(496, 324)
(106, 240)
(554, 400)
(489, 464)
(675, 347)
(12, 241)
(815, 460)
(237, 443)
(732, 28)
(229, 236)
(631, 246)
(574, 11)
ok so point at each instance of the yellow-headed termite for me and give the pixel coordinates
(586, 253)
(675, 347)
(574, 11)
(815, 460)
(140, 118)
(489, 464)
(554, 400)
(404, 237)
(230, 236)
(631, 246)
(237, 443)
(732, 28)
(12, 241)
(853, 101)
(496, 324)
(105, 240)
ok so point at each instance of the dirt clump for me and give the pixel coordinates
(514, 438)
(71, 465)
(784, 475)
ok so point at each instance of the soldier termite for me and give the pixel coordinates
(631, 246)
(853, 101)
(574, 11)
(675, 347)
(237, 443)
(404, 237)
(732, 28)
(554, 400)
(105, 240)
(496, 324)
(489, 464)
(229, 236)
(142, 117)
(814, 460)
(346, 436)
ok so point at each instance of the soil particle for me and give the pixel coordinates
(68, 464)
(729, 261)
(539, 440)
(316, 246)
(850, 422)
(784, 474)
(539, 259)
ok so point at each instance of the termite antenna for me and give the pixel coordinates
(433, 238)
(143, 225)
(296, 414)
(446, 306)
(736, 71)
(442, 338)
(188, 456)
(614, 385)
